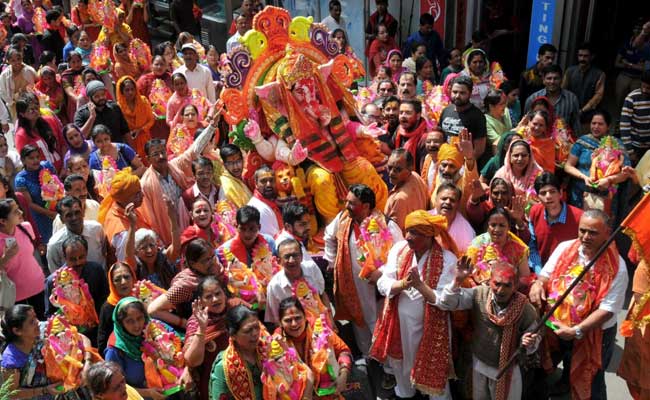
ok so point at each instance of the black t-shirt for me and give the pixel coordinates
(451, 122)
(111, 116)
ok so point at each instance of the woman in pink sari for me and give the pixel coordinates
(180, 98)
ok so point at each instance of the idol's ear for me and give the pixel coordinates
(269, 92)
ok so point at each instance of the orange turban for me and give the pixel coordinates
(431, 225)
(450, 152)
(123, 187)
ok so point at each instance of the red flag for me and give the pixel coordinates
(637, 227)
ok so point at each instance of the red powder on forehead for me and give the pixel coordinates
(504, 271)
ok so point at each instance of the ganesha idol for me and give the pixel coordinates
(289, 73)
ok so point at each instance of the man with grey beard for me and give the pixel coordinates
(457, 166)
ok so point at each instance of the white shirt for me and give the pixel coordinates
(90, 214)
(332, 25)
(268, 219)
(212, 198)
(94, 234)
(200, 78)
(233, 42)
(615, 297)
(279, 288)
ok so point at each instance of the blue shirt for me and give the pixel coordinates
(125, 154)
(66, 51)
(133, 370)
(29, 180)
(534, 259)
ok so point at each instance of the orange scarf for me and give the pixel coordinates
(424, 173)
(238, 376)
(348, 306)
(509, 338)
(586, 356)
(138, 117)
(113, 297)
(432, 361)
(543, 152)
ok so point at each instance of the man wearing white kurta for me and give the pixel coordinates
(447, 201)
(360, 203)
(415, 295)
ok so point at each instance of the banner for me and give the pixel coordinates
(437, 9)
(541, 28)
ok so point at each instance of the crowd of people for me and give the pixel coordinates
(173, 225)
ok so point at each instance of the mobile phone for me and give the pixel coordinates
(10, 242)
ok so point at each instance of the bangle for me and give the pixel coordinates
(198, 334)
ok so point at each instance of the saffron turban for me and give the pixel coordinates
(125, 185)
(431, 225)
(450, 152)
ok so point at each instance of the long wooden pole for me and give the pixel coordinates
(561, 299)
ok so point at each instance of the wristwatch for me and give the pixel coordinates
(579, 333)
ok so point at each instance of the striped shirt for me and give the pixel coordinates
(566, 106)
(635, 121)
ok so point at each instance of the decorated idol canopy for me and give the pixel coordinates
(286, 93)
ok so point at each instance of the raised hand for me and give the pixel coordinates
(171, 207)
(477, 191)
(463, 269)
(200, 313)
(129, 211)
(92, 113)
(517, 207)
(465, 145)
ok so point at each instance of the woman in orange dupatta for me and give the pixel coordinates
(125, 65)
(295, 331)
(121, 279)
(137, 112)
(537, 133)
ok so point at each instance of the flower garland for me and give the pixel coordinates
(578, 303)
